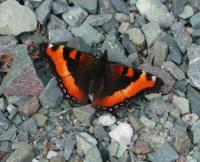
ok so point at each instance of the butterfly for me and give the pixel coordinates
(107, 85)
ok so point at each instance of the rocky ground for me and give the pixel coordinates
(159, 36)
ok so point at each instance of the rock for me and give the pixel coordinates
(28, 38)
(151, 32)
(59, 35)
(111, 25)
(155, 11)
(141, 147)
(85, 142)
(107, 120)
(40, 119)
(29, 106)
(93, 155)
(9, 134)
(195, 3)
(120, 6)
(180, 85)
(85, 114)
(174, 70)
(196, 132)
(129, 46)
(122, 134)
(100, 133)
(56, 23)
(194, 99)
(23, 153)
(43, 11)
(106, 7)
(11, 109)
(17, 119)
(89, 5)
(59, 7)
(182, 104)
(136, 36)
(153, 96)
(29, 126)
(123, 27)
(195, 20)
(116, 150)
(187, 12)
(193, 53)
(190, 118)
(97, 20)
(51, 154)
(135, 123)
(7, 43)
(22, 79)
(56, 159)
(147, 123)
(4, 123)
(169, 125)
(51, 96)
(87, 33)
(120, 17)
(69, 145)
(75, 16)
(166, 153)
(178, 6)
(25, 19)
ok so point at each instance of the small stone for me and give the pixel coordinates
(17, 119)
(190, 118)
(27, 38)
(178, 6)
(141, 147)
(187, 12)
(151, 32)
(9, 134)
(196, 132)
(40, 119)
(180, 85)
(59, 7)
(166, 153)
(51, 95)
(135, 123)
(130, 47)
(85, 142)
(174, 70)
(87, 33)
(123, 27)
(148, 123)
(56, 159)
(116, 150)
(107, 120)
(100, 133)
(43, 10)
(30, 127)
(136, 36)
(51, 154)
(56, 23)
(23, 153)
(69, 145)
(25, 18)
(11, 108)
(120, 6)
(7, 44)
(122, 134)
(4, 123)
(169, 125)
(85, 114)
(155, 11)
(120, 17)
(195, 20)
(97, 20)
(182, 104)
(93, 155)
(29, 106)
(106, 7)
(111, 25)
(59, 35)
(153, 96)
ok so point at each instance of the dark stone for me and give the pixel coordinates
(56, 23)
(7, 43)
(128, 45)
(178, 6)
(120, 6)
(59, 7)
(69, 145)
(59, 35)
(195, 20)
(181, 85)
(27, 38)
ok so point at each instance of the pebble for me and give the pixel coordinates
(56, 23)
(8, 134)
(30, 127)
(107, 120)
(155, 11)
(122, 134)
(51, 96)
(40, 119)
(74, 16)
(25, 18)
(136, 36)
(196, 132)
(116, 150)
(23, 153)
(27, 38)
(98, 20)
(29, 106)
(69, 145)
(148, 123)
(130, 47)
(7, 43)
(93, 155)
(85, 114)
(123, 27)
(182, 104)
(193, 72)
(120, 17)
(141, 147)
(120, 6)
(187, 12)
(195, 20)
(100, 133)
(190, 118)
(174, 70)
(59, 35)
(166, 153)
(87, 33)
(4, 123)
(59, 7)
(135, 123)
(43, 11)
(178, 6)
(51, 154)
(11, 109)
(106, 7)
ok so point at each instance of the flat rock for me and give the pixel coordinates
(195, 20)
(87, 33)
(120, 6)
(106, 120)
(4, 123)
(136, 36)
(155, 11)
(59, 7)
(187, 12)
(69, 145)
(59, 35)
(93, 155)
(116, 150)
(193, 72)
(147, 122)
(141, 147)
(22, 79)
(56, 23)
(51, 96)
(123, 27)
(40, 119)
(9, 134)
(182, 104)
(100, 133)
(190, 119)
(30, 127)
(178, 6)
(120, 17)
(7, 43)
(25, 19)
(106, 7)
(97, 20)
(135, 123)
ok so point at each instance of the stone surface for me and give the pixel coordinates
(40, 119)
(147, 122)
(123, 27)
(22, 79)
(56, 23)
(120, 17)
(14, 24)
(7, 43)
(93, 155)
(155, 11)
(135, 123)
(182, 104)
(116, 150)
(8, 134)
(178, 6)
(87, 33)
(59, 35)
(75, 16)
(120, 6)
(195, 20)
(187, 12)
(51, 154)
(30, 127)
(59, 7)
(196, 132)
(85, 114)
(69, 145)
(97, 20)
(190, 118)
(136, 36)
(4, 123)
(100, 133)
(106, 120)
(141, 147)
(193, 72)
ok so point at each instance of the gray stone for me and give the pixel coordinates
(29, 126)
(106, 120)
(123, 27)
(195, 3)
(59, 35)
(2, 104)
(196, 132)
(97, 20)
(100, 133)
(14, 24)
(165, 154)
(87, 33)
(51, 96)
(195, 20)
(178, 6)
(84, 114)
(128, 45)
(151, 32)
(56, 23)
(106, 7)
(120, 17)
(43, 10)
(27, 38)
(75, 16)
(9, 134)
(147, 122)
(22, 79)
(109, 26)
(135, 123)
(7, 43)
(5, 146)
(59, 7)
(116, 150)
(89, 5)
(120, 6)
(182, 104)
(17, 119)
(155, 11)
(40, 119)
(187, 12)
(69, 145)
(4, 123)
(180, 85)
(174, 70)
(136, 36)
(193, 53)
(196, 33)
(93, 155)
